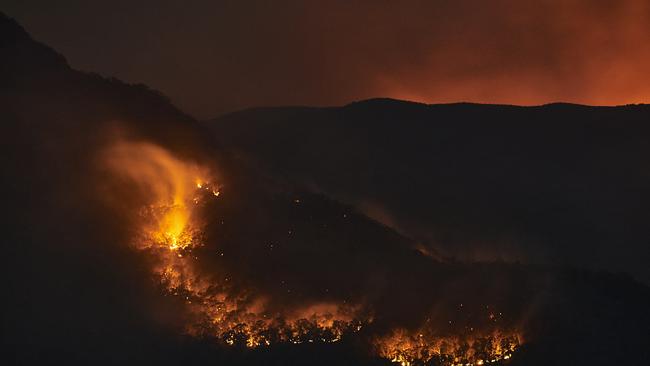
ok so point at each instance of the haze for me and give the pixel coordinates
(212, 57)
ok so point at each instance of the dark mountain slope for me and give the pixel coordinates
(71, 294)
(560, 184)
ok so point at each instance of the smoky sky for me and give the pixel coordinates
(212, 57)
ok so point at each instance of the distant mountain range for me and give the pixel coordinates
(558, 184)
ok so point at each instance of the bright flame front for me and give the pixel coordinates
(418, 348)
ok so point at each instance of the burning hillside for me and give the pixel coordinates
(178, 200)
(171, 233)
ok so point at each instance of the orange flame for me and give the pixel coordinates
(169, 217)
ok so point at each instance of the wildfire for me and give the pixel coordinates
(169, 231)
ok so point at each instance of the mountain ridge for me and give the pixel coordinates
(387, 102)
(568, 161)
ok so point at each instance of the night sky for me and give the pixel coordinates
(212, 57)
